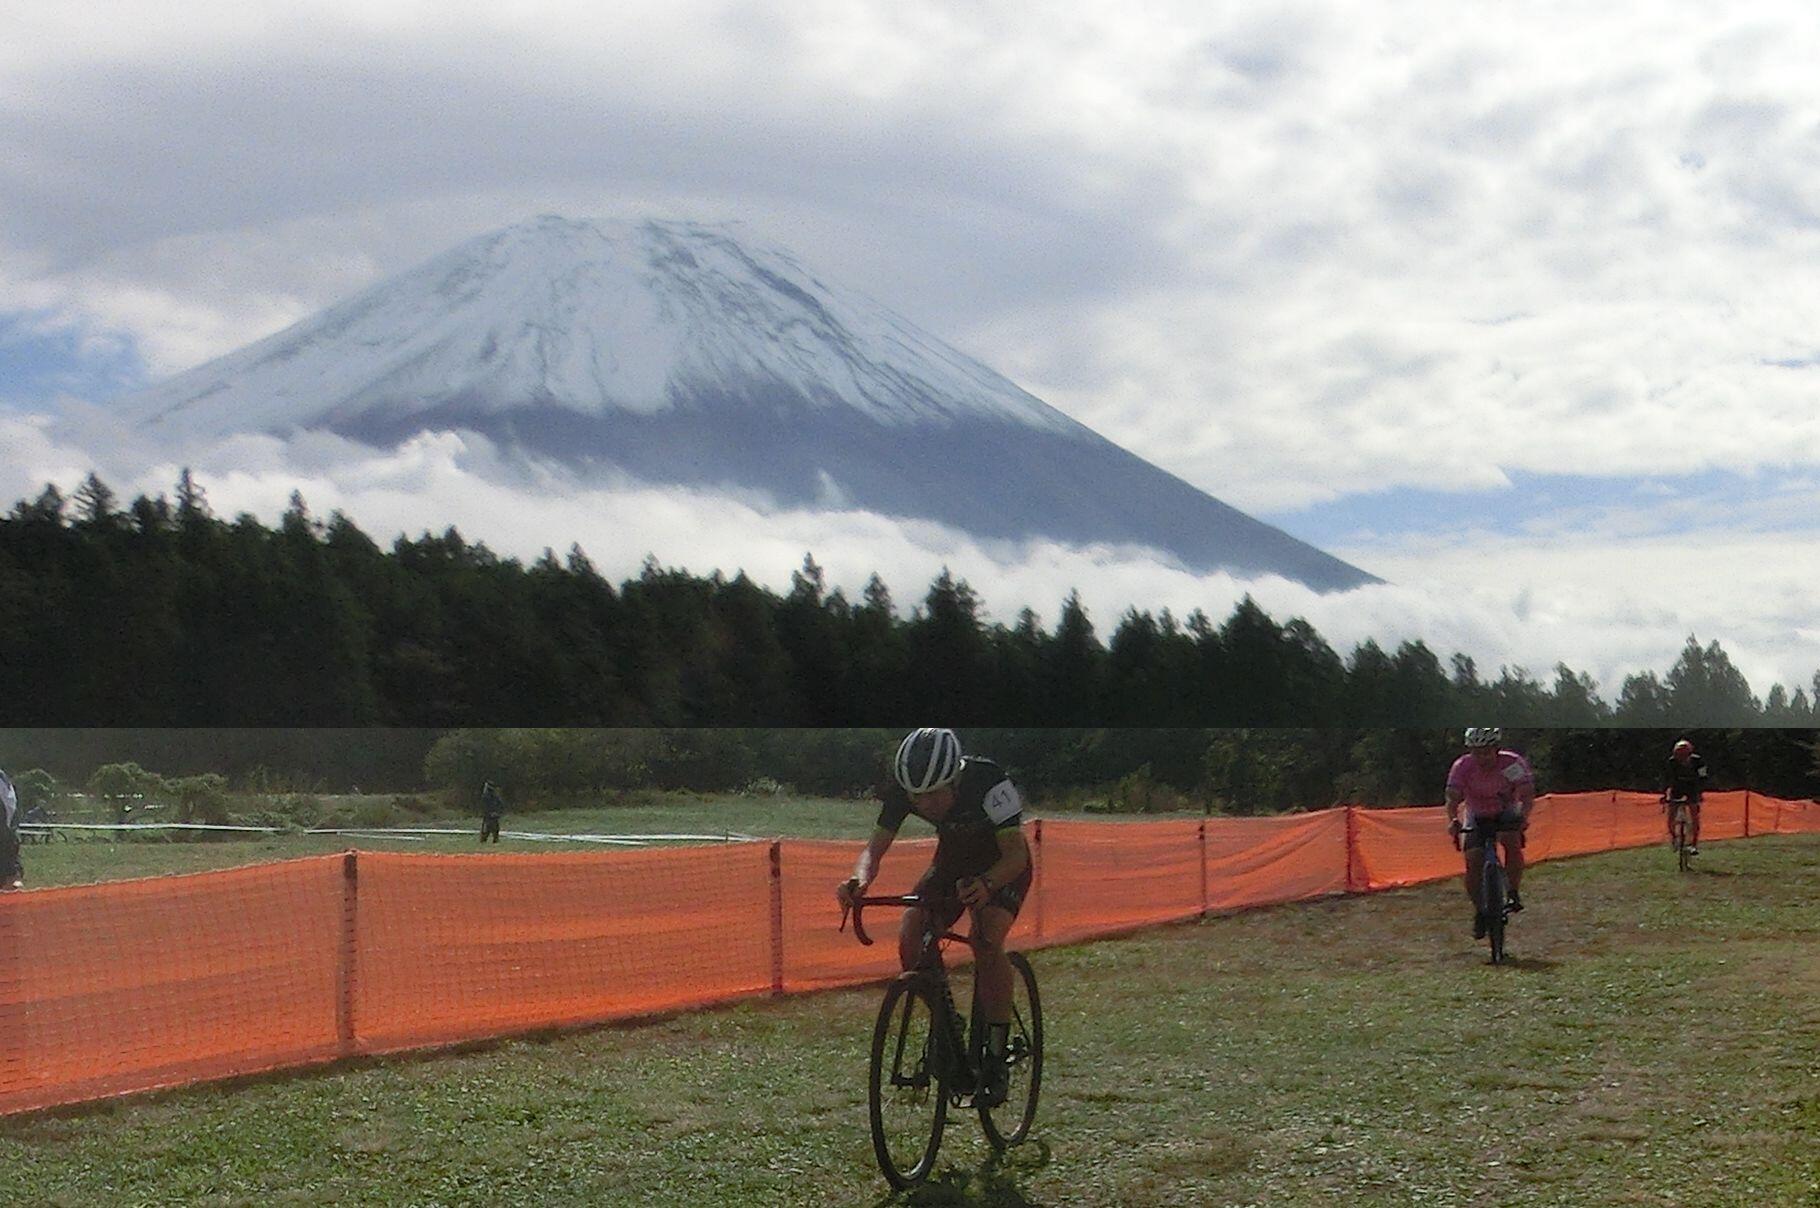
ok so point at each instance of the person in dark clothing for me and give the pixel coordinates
(492, 808)
(12, 867)
(1684, 780)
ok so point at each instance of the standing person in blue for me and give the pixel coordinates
(1498, 789)
(981, 862)
(12, 867)
(492, 808)
(1685, 780)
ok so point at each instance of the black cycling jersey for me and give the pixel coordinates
(985, 802)
(1685, 779)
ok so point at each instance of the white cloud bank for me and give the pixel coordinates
(1290, 253)
(1609, 608)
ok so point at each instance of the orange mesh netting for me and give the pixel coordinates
(112, 988)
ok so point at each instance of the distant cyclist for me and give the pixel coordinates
(1684, 780)
(1498, 790)
(12, 868)
(981, 861)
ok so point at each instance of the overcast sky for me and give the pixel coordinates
(1518, 313)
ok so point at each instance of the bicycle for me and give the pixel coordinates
(1680, 824)
(1494, 885)
(923, 1062)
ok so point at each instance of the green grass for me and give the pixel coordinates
(87, 858)
(1655, 1040)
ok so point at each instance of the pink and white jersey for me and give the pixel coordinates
(1490, 791)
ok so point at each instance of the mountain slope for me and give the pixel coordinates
(676, 353)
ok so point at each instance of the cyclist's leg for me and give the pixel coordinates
(916, 921)
(1475, 869)
(910, 938)
(1693, 824)
(1513, 858)
(994, 971)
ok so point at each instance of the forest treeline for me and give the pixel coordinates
(1126, 770)
(159, 612)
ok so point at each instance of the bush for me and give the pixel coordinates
(291, 812)
(376, 813)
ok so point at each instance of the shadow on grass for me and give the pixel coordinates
(1531, 964)
(992, 1184)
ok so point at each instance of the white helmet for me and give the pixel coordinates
(1483, 736)
(928, 759)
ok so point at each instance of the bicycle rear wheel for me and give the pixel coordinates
(1495, 908)
(1009, 1122)
(906, 1097)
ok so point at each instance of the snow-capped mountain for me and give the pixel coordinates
(676, 352)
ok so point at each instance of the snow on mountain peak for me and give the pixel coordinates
(596, 317)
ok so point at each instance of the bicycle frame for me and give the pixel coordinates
(1493, 882)
(963, 1071)
(1680, 827)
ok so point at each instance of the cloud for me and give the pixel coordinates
(1262, 254)
(1606, 607)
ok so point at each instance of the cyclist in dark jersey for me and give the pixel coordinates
(981, 861)
(1685, 780)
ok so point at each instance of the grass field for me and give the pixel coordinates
(89, 858)
(1656, 1040)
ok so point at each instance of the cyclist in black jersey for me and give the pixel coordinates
(1684, 780)
(981, 861)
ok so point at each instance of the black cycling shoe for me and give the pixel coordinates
(1515, 905)
(1479, 926)
(997, 1088)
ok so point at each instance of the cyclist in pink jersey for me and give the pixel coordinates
(1497, 788)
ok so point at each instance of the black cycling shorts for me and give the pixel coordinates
(1474, 835)
(939, 883)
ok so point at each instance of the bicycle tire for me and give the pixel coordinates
(911, 1022)
(1024, 1053)
(1682, 860)
(1495, 912)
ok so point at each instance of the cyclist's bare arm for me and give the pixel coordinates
(1013, 859)
(1452, 806)
(865, 871)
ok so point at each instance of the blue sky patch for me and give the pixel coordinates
(1537, 504)
(39, 362)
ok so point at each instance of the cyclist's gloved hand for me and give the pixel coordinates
(973, 891)
(847, 890)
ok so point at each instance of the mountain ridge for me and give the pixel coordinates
(674, 352)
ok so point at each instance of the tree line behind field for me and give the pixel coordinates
(208, 774)
(162, 613)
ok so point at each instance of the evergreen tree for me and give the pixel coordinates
(1705, 689)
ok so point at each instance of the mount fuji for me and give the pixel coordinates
(684, 353)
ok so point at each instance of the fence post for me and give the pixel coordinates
(777, 916)
(1747, 813)
(1203, 843)
(348, 967)
(1352, 849)
(1036, 878)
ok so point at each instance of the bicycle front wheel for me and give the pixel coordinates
(906, 1095)
(1009, 1122)
(1495, 914)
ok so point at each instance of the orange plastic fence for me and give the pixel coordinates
(114, 988)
